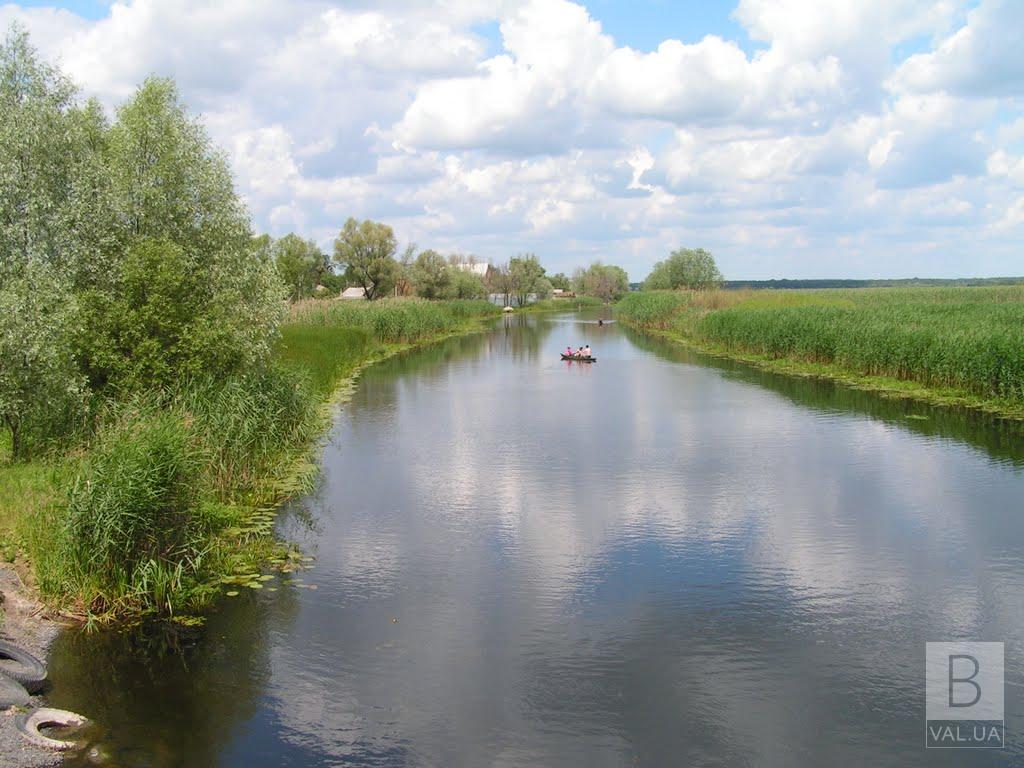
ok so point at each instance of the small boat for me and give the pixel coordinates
(579, 359)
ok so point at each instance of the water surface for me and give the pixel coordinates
(659, 559)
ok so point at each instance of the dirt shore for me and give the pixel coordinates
(25, 622)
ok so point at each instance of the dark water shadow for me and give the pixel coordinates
(1000, 439)
(169, 696)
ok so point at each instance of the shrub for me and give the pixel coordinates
(171, 318)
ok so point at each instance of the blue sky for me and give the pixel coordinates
(88, 9)
(792, 138)
(646, 23)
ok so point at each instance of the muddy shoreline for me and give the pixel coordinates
(26, 622)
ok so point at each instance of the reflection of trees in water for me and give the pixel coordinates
(169, 697)
(520, 337)
(999, 438)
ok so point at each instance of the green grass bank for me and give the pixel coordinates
(170, 501)
(960, 346)
(562, 305)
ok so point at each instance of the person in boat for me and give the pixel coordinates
(586, 351)
(568, 351)
(579, 352)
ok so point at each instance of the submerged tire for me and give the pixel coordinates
(29, 724)
(18, 664)
(12, 693)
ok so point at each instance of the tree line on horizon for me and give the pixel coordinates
(366, 255)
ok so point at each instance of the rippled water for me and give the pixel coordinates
(659, 559)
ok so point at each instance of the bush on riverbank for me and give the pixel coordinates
(966, 339)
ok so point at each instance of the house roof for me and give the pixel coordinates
(354, 292)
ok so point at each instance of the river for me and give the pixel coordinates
(659, 559)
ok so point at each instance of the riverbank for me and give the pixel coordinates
(958, 347)
(216, 463)
(25, 622)
(328, 347)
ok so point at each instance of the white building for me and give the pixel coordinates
(479, 268)
(355, 292)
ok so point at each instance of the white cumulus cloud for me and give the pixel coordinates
(875, 138)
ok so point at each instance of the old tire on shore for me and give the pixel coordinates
(12, 693)
(29, 724)
(18, 664)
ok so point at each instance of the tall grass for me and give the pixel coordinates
(326, 340)
(131, 512)
(136, 522)
(652, 309)
(968, 339)
(392, 320)
(325, 353)
(249, 425)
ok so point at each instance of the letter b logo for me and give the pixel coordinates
(968, 680)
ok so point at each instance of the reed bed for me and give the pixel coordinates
(392, 321)
(967, 339)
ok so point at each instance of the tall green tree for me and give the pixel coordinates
(37, 142)
(170, 181)
(561, 281)
(174, 198)
(301, 265)
(41, 391)
(692, 268)
(431, 275)
(467, 285)
(527, 276)
(96, 234)
(603, 281)
(366, 251)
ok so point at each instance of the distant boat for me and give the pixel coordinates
(579, 359)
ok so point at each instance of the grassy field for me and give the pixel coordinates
(962, 345)
(171, 501)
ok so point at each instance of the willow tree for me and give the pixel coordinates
(36, 140)
(300, 264)
(692, 268)
(528, 277)
(41, 391)
(366, 251)
(603, 281)
(177, 211)
(432, 275)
